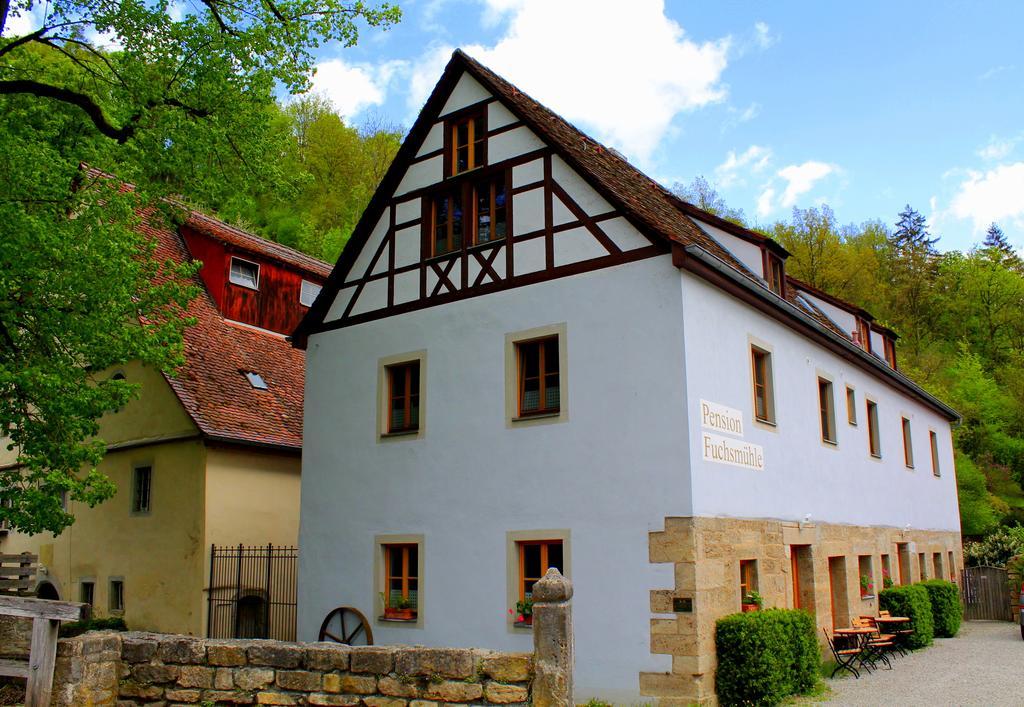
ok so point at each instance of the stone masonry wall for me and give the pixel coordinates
(130, 669)
(706, 553)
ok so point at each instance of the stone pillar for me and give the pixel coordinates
(552, 641)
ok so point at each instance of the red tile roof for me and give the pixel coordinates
(212, 385)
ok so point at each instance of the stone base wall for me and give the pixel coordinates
(128, 669)
(707, 552)
(15, 637)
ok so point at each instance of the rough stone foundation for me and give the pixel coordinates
(707, 552)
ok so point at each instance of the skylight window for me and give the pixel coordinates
(308, 293)
(256, 380)
(244, 273)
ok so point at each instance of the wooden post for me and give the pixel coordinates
(46, 617)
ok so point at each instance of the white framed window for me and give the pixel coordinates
(245, 273)
(308, 293)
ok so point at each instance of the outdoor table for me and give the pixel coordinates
(861, 635)
(895, 620)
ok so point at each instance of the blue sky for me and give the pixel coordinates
(863, 106)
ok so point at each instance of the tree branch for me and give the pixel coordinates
(22, 40)
(85, 103)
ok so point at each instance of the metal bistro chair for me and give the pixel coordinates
(896, 647)
(902, 634)
(875, 646)
(845, 657)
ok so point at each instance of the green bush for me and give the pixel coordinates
(947, 611)
(76, 628)
(764, 656)
(911, 600)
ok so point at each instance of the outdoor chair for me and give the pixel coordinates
(845, 657)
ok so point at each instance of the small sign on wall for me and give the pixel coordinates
(735, 452)
(721, 418)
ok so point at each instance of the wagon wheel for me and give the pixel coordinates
(347, 625)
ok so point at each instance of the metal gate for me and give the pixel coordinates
(252, 592)
(986, 594)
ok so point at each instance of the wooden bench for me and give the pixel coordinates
(46, 616)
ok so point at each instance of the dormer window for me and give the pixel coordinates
(308, 293)
(467, 143)
(775, 274)
(890, 352)
(244, 273)
(863, 334)
(255, 380)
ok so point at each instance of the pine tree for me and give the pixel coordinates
(911, 234)
(998, 248)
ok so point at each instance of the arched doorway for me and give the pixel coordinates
(46, 590)
(251, 621)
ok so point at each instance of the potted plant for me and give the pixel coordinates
(867, 587)
(523, 614)
(752, 601)
(400, 609)
(886, 580)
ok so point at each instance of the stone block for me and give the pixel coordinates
(228, 654)
(398, 687)
(372, 659)
(253, 678)
(451, 691)
(321, 699)
(100, 642)
(130, 688)
(666, 685)
(331, 683)
(232, 697)
(223, 679)
(663, 626)
(276, 698)
(508, 667)
(275, 653)
(135, 649)
(674, 644)
(505, 694)
(196, 676)
(384, 702)
(155, 672)
(422, 703)
(661, 601)
(187, 696)
(454, 663)
(326, 656)
(358, 684)
(298, 680)
(181, 649)
(67, 647)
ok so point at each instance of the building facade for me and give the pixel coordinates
(208, 456)
(532, 355)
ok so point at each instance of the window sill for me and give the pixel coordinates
(866, 597)
(403, 433)
(538, 416)
(384, 619)
(463, 173)
(830, 443)
(242, 284)
(877, 456)
(522, 625)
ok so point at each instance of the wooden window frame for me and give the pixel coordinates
(489, 182)
(514, 383)
(247, 286)
(384, 399)
(137, 509)
(827, 412)
(449, 194)
(544, 564)
(851, 405)
(115, 600)
(774, 269)
(908, 442)
(760, 354)
(467, 116)
(933, 442)
(516, 581)
(406, 575)
(82, 592)
(543, 373)
(890, 351)
(864, 334)
(874, 430)
(748, 577)
(406, 396)
(381, 587)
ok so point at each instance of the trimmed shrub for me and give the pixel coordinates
(76, 628)
(765, 656)
(911, 600)
(947, 611)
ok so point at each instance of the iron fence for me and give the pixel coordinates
(252, 592)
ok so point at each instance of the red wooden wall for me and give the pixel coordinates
(274, 306)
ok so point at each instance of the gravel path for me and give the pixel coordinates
(981, 666)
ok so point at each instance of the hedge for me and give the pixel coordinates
(76, 628)
(765, 656)
(947, 611)
(911, 600)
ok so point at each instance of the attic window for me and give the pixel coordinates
(245, 273)
(255, 380)
(466, 142)
(308, 293)
(774, 274)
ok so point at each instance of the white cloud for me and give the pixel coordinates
(763, 35)
(998, 148)
(995, 70)
(354, 87)
(623, 75)
(801, 179)
(764, 202)
(735, 168)
(27, 21)
(990, 196)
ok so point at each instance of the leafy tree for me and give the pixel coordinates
(703, 195)
(174, 104)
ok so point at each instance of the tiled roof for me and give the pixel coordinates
(212, 385)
